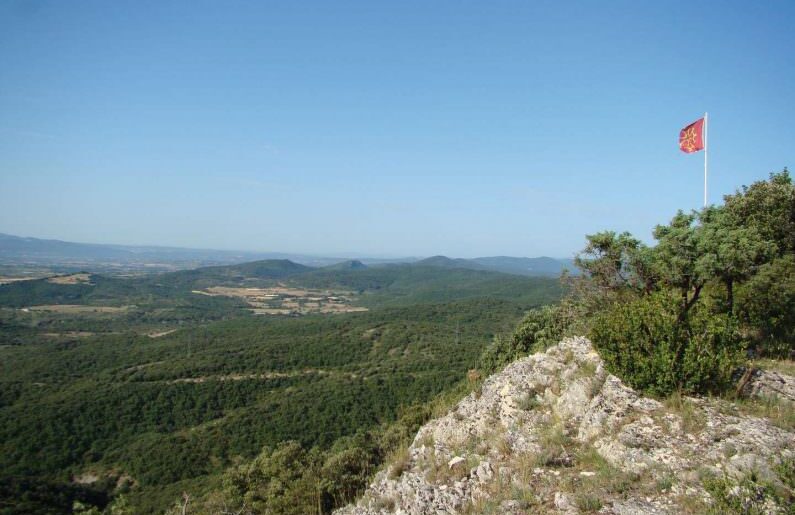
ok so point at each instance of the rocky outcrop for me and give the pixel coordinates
(554, 432)
(769, 384)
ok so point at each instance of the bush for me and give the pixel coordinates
(539, 329)
(651, 347)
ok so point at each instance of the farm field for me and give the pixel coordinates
(283, 300)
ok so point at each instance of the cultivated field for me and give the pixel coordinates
(70, 279)
(281, 300)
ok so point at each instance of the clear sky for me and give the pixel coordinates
(464, 128)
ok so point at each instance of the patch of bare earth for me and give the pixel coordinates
(142, 366)
(158, 334)
(70, 279)
(282, 300)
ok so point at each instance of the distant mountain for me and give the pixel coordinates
(539, 267)
(56, 252)
(353, 264)
(17, 247)
(268, 268)
(65, 256)
(446, 262)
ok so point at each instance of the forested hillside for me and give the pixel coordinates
(134, 390)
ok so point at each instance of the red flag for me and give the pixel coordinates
(691, 138)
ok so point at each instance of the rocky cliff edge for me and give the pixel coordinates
(555, 433)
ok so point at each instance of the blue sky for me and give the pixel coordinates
(382, 128)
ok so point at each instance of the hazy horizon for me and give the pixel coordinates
(409, 129)
(320, 254)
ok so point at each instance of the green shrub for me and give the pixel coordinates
(651, 347)
(539, 329)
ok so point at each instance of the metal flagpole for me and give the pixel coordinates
(706, 129)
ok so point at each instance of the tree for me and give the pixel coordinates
(677, 254)
(766, 303)
(729, 252)
(767, 206)
(282, 480)
(617, 262)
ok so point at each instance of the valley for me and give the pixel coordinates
(148, 386)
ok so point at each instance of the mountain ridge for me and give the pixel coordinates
(14, 249)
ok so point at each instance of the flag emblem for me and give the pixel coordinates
(691, 138)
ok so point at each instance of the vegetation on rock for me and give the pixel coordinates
(681, 315)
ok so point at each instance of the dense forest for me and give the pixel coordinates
(161, 390)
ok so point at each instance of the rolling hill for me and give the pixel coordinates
(158, 385)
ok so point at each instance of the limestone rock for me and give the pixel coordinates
(555, 433)
(767, 384)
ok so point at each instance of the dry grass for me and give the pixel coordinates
(528, 402)
(783, 366)
(499, 491)
(779, 412)
(587, 503)
(385, 503)
(554, 444)
(693, 421)
(398, 462)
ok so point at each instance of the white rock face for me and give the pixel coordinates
(555, 433)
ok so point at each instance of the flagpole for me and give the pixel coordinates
(706, 145)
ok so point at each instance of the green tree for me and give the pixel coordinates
(677, 253)
(769, 207)
(616, 262)
(539, 329)
(727, 251)
(766, 303)
(282, 480)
